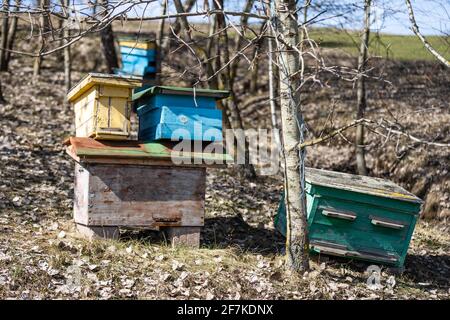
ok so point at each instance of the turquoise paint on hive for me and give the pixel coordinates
(135, 61)
(179, 123)
(358, 237)
(186, 101)
(149, 53)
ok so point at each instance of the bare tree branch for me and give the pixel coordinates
(425, 42)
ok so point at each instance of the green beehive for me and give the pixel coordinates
(357, 217)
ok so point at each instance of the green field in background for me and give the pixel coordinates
(399, 47)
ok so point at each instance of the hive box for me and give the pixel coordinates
(178, 123)
(138, 58)
(102, 105)
(173, 112)
(357, 217)
(132, 184)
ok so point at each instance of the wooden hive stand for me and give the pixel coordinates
(133, 184)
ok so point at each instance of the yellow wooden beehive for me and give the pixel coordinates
(102, 104)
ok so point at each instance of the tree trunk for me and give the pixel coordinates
(297, 257)
(199, 50)
(67, 58)
(227, 82)
(161, 25)
(159, 49)
(44, 28)
(107, 38)
(361, 91)
(213, 83)
(12, 35)
(425, 42)
(272, 94)
(4, 37)
(2, 99)
(238, 38)
(94, 7)
(254, 73)
(306, 5)
(176, 27)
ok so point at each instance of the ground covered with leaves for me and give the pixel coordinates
(241, 255)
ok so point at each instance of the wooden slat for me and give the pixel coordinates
(143, 162)
(135, 152)
(92, 79)
(81, 194)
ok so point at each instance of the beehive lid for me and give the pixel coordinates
(146, 45)
(92, 79)
(216, 94)
(136, 152)
(356, 183)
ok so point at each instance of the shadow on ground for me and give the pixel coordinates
(233, 231)
(223, 232)
(430, 271)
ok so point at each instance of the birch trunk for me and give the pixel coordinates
(297, 257)
(272, 95)
(425, 42)
(361, 91)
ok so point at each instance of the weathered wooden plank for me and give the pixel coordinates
(145, 162)
(357, 183)
(92, 79)
(81, 194)
(184, 236)
(140, 196)
(134, 152)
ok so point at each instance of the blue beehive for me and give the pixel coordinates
(138, 58)
(178, 113)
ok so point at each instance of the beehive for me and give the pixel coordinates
(138, 58)
(174, 112)
(357, 217)
(132, 184)
(102, 104)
